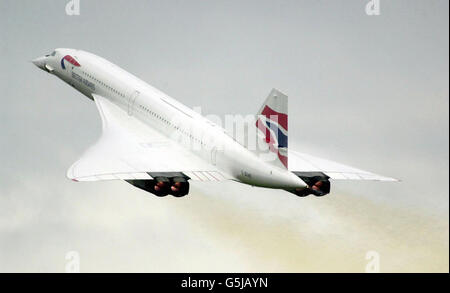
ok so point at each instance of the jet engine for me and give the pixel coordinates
(318, 184)
(179, 186)
(165, 183)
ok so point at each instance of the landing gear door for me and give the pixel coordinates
(131, 101)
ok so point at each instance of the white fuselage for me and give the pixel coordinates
(163, 113)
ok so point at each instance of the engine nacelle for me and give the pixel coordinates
(179, 186)
(318, 184)
(164, 183)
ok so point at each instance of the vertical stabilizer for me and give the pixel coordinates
(272, 124)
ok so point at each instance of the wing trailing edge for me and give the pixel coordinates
(130, 150)
(300, 162)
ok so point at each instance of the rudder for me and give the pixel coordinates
(272, 124)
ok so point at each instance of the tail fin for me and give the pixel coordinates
(272, 124)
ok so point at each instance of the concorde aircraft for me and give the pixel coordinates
(157, 144)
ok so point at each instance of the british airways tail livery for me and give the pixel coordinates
(272, 122)
(147, 138)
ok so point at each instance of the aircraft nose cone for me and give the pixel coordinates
(39, 62)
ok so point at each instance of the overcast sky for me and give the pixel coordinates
(368, 91)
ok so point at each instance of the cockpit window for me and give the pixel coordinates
(52, 54)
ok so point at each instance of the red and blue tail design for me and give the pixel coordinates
(272, 122)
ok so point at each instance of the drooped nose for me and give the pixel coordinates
(39, 62)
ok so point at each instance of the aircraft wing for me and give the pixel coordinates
(299, 162)
(128, 149)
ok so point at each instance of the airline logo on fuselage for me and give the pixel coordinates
(69, 59)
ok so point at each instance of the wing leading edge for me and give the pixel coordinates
(129, 150)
